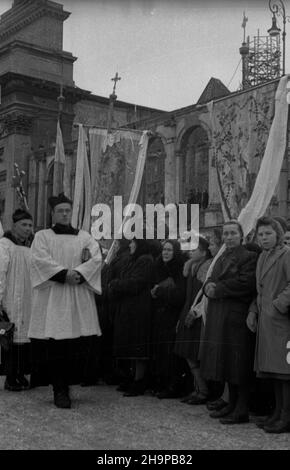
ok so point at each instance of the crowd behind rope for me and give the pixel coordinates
(174, 324)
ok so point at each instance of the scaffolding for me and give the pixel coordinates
(261, 60)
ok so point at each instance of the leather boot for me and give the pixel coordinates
(269, 420)
(62, 399)
(280, 426)
(275, 416)
(226, 410)
(216, 405)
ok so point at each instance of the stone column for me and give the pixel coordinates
(213, 214)
(170, 172)
(41, 200)
(9, 191)
(178, 176)
(32, 185)
(16, 130)
(213, 190)
(167, 134)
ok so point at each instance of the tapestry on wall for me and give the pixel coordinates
(240, 129)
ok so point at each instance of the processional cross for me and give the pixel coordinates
(113, 98)
(115, 79)
(244, 23)
(18, 185)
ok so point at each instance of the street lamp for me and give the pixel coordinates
(277, 7)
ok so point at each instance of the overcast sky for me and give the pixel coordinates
(165, 50)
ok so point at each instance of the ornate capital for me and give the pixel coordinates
(15, 124)
(170, 122)
(170, 140)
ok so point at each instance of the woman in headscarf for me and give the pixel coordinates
(270, 316)
(189, 328)
(228, 345)
(168, 295)
(132, 316)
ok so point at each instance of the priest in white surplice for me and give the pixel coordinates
(15, 297)
(65, 273)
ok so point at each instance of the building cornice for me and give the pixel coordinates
(41, 51)
(20, 16)
(11, 81)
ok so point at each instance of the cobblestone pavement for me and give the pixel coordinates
(102, 419)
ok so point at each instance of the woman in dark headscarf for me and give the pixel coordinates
(168, 296)
(270, 316)
(131, 324)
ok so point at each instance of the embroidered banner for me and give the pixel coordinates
(240, 129)
(113, 163)
(267, 179)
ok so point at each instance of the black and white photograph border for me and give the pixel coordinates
(131, 65)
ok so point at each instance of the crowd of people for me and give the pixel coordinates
(210, 327)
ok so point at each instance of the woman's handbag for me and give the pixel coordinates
(6, 331)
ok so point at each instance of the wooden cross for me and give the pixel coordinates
(115, 79)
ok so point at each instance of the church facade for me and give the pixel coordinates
(36, 77)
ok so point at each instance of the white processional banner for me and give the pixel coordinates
(267, 178)
(82, 201)
(143, 145)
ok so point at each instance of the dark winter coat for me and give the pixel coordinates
(132, 316)
(167, 305)
(188, 339)
(227, 352)
(273, 308)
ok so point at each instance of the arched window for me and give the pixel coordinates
(195, 171)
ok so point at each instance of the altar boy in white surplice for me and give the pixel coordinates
(15, 297)
(65, 273)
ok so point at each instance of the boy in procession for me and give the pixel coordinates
(15, 297)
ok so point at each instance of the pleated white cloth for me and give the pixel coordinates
(15, 286)
(63, 311)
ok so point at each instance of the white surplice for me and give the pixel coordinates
(15, 286)
(63, 311)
